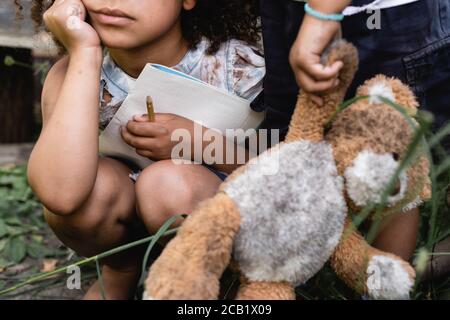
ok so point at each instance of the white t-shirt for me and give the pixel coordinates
(375, 5)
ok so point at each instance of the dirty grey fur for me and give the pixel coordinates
(291, 221)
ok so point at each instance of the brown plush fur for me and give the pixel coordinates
(381, 129)
(407, 98)
(265, 290)
(191, 265)
(198, 255)
(308, 120)
(351, 258)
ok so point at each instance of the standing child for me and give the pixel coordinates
(412, 44)
(91, 203)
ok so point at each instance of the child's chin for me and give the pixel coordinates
(118, 43)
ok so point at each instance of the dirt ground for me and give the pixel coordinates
(55, 288)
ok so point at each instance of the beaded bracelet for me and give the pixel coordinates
(323, 16)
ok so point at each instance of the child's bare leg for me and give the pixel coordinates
(398, 234)
(103, 222)
(165, 189)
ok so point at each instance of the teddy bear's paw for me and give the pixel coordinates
(145, 296)
(389, 278)
(191, 285)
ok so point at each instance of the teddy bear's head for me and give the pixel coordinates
(370, 138)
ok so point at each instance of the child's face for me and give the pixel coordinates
(128, 24)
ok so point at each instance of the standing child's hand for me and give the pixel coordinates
(65, 19)
(305, 57)
(153, 139)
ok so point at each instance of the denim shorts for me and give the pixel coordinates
(220, 174)
(413, 44)
(135, 170)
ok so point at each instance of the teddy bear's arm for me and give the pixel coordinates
(192, 263)
(309, 119)
(370, 271)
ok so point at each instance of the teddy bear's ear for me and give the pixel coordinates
(392, 89)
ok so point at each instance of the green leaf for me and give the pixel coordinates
(3, 244)
(7, 181)
(14, 221)
(14, 231)
(16, 249)
(3, 230)
(4, 263)
(36, 250)
(9, 61)
(37, 238)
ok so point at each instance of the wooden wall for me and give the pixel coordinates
(17, 123)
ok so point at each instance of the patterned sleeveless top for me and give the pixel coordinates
(236, 67)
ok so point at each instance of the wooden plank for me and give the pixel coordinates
(16, 41)
(19, 31)
(42, 44)
(14, 22)
(15, 153)
(17, 96)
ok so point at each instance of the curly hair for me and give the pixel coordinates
(216, 20)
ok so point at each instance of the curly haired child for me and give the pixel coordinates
(90, 202)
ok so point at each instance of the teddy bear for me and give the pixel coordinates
(283, 215)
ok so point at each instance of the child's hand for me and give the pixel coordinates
(313, 38)
(65, 19)
(153, 139)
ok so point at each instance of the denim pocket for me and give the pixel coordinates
(444, 15)
(428, 74)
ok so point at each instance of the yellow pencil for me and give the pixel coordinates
(150, 109)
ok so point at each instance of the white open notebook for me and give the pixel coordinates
(177, 93)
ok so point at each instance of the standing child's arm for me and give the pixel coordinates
(313, 38)
(63, 165)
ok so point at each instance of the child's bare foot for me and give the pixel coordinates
(119, 284)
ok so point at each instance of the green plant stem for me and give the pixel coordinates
(441, 134)
(111, 252)
(100, 279)
(341, 108)
(434, 205)
(156, 237)
(443, 167)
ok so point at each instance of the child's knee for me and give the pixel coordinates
(103, 195)
(86, 232)
(80, 225)
(165, 189)
(165, 181)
